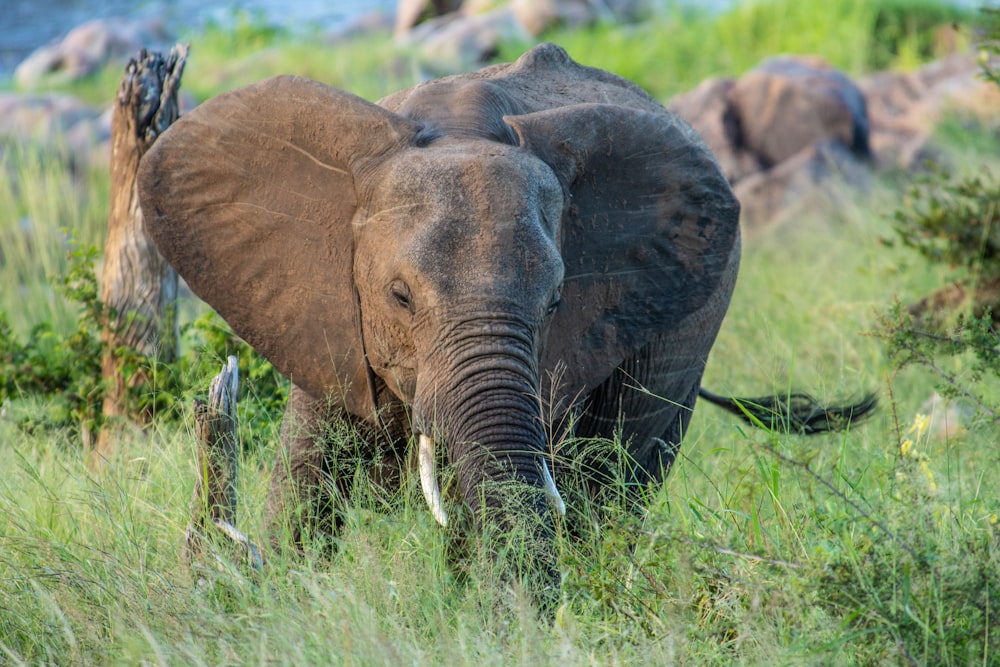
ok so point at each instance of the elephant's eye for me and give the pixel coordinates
(554, 306)
(401, 294)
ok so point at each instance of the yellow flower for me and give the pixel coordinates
(907, 447)
(920, 424)
(931, 486)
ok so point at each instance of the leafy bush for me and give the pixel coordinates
(65, 370)
(955, 221)
(906, 33)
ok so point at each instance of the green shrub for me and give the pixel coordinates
(954, 220)
(64, 371)
(906, 32)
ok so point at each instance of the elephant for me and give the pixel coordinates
(474, 268)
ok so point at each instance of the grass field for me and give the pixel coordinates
(880, 545)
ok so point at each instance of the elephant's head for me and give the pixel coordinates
(455, 287)
(453, 248)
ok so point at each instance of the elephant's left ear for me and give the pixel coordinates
(649, 235)
(251, 197)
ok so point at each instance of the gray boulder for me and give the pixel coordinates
(59, 122)
(537, 16)
(89, 47)
(460, 42)
(410, 13)
(454, 36)
(823, 176)
(787, 104)
(905, 107)
(708, 109)
(62, 124)
(791, 131)
(41, 116)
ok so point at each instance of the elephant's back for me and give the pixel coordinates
(543, 78)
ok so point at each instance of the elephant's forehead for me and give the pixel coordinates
(450, 212)
(484, 179)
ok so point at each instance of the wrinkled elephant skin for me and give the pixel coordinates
(429, 268)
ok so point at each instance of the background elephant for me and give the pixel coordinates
(476, 262)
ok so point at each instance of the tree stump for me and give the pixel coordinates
(138, 287)
(213, 507)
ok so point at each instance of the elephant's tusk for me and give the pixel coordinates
(237, 536)
(428, 479)
(550, 489)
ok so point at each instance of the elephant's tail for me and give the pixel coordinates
(794, 412)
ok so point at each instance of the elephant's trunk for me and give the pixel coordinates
(484, 407)
(497, 444)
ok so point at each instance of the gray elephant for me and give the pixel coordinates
(476, 265)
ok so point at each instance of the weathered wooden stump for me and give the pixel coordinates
(138, 287)
(213, 507)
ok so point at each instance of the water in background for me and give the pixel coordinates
(26, 25)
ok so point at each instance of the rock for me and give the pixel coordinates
(41, 116)
(64, 124)
(89, 47)
(773, 112)
(904, 107)
(537, 16)
(790, 135)
(943, 308)
(454, 36)
(787, 104)
(709, 112)
(410, 13)
(820, 177)
(368, 23)
(457, 43)
(782, 130)
(90, 142)
(58, 122)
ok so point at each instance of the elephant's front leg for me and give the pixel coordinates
(303, 495)
(322, 451)
(635, 406)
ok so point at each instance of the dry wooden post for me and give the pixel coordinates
(138, 287)
(214, 504)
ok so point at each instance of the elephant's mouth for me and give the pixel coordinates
(432, 488)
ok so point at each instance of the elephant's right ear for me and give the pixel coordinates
(650, 236)
(251, 196)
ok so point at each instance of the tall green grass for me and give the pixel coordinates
(46, 209)
(877, 546)
(370, 66)
(682, 46)
(759, 549)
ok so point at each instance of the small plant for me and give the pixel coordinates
(973, 340)
(64, 371)
(954, 221)
(930, 591)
